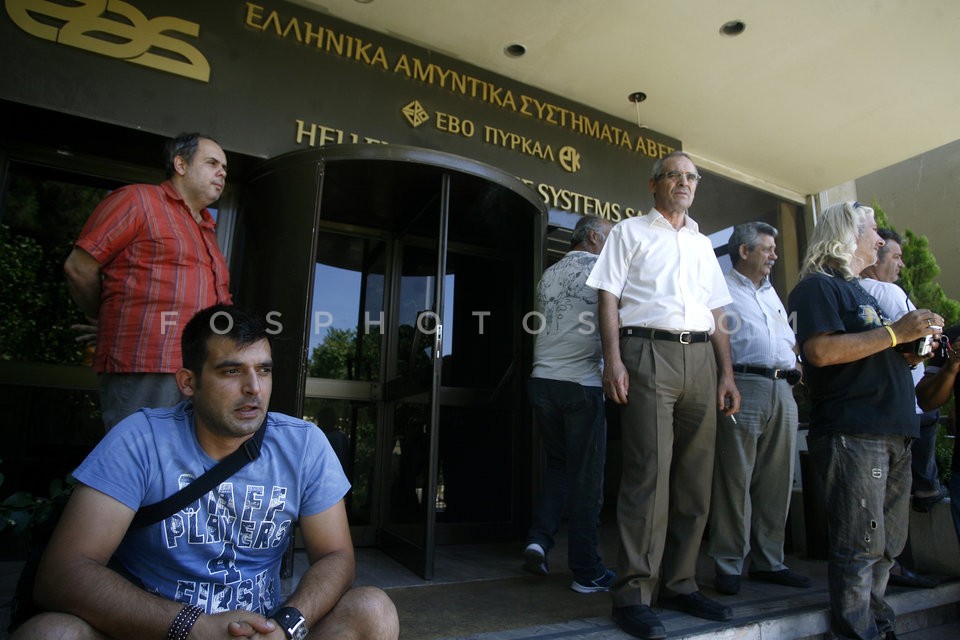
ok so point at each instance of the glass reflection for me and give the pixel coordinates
(347, 311)
(351, 428)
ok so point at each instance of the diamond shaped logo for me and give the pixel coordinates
(415, 114)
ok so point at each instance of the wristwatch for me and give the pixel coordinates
(292, 622)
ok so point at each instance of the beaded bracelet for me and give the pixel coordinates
(183, 623)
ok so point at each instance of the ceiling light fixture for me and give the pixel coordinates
(636, 98)
(733, 28)
(514, 50)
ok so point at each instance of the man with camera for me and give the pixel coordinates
(879, 280)
(753, 470)
(862, 414)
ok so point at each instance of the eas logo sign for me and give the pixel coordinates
(116, 29)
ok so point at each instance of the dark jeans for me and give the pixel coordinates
(955, 501)
(867, 490)
(574, 435)
(926, 477)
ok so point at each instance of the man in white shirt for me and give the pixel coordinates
(661, 293)
(879, 280)
(753, 470)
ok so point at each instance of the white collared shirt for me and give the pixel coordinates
(760, 332)
(895, 304)
(665, 278)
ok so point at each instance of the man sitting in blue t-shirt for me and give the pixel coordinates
(213, 567)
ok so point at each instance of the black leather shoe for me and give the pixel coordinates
(785, 577)
(727, 584)
(907, 578)
(640, 621)
(699, 605)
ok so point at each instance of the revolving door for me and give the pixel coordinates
(401, 278)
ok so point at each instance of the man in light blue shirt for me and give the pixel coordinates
(754, 461)
(211, 569)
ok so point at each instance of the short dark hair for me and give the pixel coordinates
(184, 145)
(242, 326)
(890, 234)
(747, 233)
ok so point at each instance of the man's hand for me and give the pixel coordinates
(728, 396)
(953, 358)
(236, 624)
(250, 625)
(616, 381)
(87, 332)
(917, 324)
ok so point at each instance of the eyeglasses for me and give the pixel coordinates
(676, 175)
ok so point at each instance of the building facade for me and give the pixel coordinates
(392, 206)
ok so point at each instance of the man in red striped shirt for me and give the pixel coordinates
(145, 262)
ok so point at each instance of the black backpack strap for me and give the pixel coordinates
(157, 511)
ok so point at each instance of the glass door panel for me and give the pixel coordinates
(343, 357)
(411, 403)
(479, 391)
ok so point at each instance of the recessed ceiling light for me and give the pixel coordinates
(514, 50)
(733, 28)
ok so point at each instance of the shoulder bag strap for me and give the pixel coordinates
(157, 511)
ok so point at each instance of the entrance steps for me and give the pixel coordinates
(924, 614)
(481, 594)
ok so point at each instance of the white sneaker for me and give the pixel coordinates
(535, 560)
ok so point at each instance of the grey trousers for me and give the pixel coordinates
(124, 393)
(753, 477)
(668, 436)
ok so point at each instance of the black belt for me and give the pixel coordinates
(683, 337)
(790, 375)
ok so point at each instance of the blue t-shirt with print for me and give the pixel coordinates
(222, 552)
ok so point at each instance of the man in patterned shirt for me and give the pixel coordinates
(567, 397)
(145, 262)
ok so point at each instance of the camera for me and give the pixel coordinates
(927, 346)
(932, 346)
